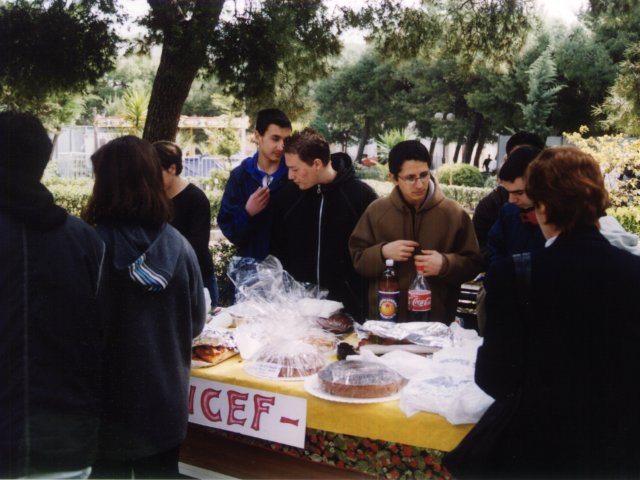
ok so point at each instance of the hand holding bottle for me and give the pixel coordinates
(431, 262)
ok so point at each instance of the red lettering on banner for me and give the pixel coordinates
(234, 405)
(192, 394)
(289, 420)
(206, 397)
(260, 403)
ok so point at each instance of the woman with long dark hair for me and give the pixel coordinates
(157, 306)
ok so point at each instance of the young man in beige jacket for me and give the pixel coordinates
(416, 225)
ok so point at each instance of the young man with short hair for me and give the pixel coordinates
(315, 215)
(416, 225)
(245, 214)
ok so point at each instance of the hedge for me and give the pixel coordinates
(73, 195)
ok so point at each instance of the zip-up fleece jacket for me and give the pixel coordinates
(311, 234)
(157, 308)
(439, 224)
(52, 333)
(249, 234)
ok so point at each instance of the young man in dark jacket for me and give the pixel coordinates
(314, 217)
(51, 317)
(245, 214)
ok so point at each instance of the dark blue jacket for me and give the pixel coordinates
(510, 234)
(52, 333)
(249, 234)
(576, 363)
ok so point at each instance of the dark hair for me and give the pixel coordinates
(308, 144)
(524, 138)
(569, 184)
(271, 115)
(407, 150)
(128, 185)
(169, 154)
(24, 143)
(516, 164)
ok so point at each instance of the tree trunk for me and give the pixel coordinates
(481, 140)
(472, 137)
(184, 51)
(457, 152)
(432, 146)
(363, 138)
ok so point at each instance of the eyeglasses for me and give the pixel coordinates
(423, 177)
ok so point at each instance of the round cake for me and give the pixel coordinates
(291, 359)
(360, 379)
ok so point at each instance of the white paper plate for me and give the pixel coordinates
(313, 387)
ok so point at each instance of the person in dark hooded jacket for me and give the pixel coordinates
(158, 307)
(52, 330)
(314, 217)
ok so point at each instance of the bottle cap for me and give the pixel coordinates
(388, 262)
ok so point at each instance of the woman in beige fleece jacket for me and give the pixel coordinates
(416, 225)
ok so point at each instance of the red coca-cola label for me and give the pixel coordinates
(419, 301)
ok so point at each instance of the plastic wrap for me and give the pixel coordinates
(338, 323)
(285, 360)
(212, 346)
(432, 336)
(360, 379)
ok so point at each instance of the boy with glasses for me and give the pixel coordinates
(416, 225)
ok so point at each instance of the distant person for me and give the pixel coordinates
(157, 308)
(314, 217)
(486, 212)
(486, 164)
(245, 215)
(416, 225)
(52, 322)
(560, 357)
(191, 212)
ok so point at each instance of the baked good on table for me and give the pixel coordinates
(287, 360)
(212, 346)
(340, 322)
(360, 379)
(212, 354)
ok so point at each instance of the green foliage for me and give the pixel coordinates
(133, 108)
(69, 194)
(215, 199)
(629, 218)
(222, 252)
(541, 95)
(217, 180)
(227, 142)
(461, 174)
(622, 106)
(389, 139)
(616, 156)
(374, 172)
(51, 48)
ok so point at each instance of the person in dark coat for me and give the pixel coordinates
(486, 212)
(191, 212)
(246, 213)
(566, 374)
(158, 307)
(314, 217)
(52, 327)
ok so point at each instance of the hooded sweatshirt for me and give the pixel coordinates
(52, 332)
(249, 234)
(311, 233)
(438, 224)
(157, 308)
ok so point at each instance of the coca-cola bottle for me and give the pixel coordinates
(419, 299)
(388, 293)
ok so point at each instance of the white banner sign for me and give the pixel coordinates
(256, 413)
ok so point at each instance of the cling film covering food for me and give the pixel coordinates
(212, 346)
(428, 334)
(275, 316)
(360, 379)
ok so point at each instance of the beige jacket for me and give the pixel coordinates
(439, 224)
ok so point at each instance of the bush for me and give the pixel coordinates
(374, 172)
(629, 218)
(461, 174)
(222, 251)
(217, 180)
(72, 196)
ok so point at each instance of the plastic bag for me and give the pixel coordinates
(285, 360)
